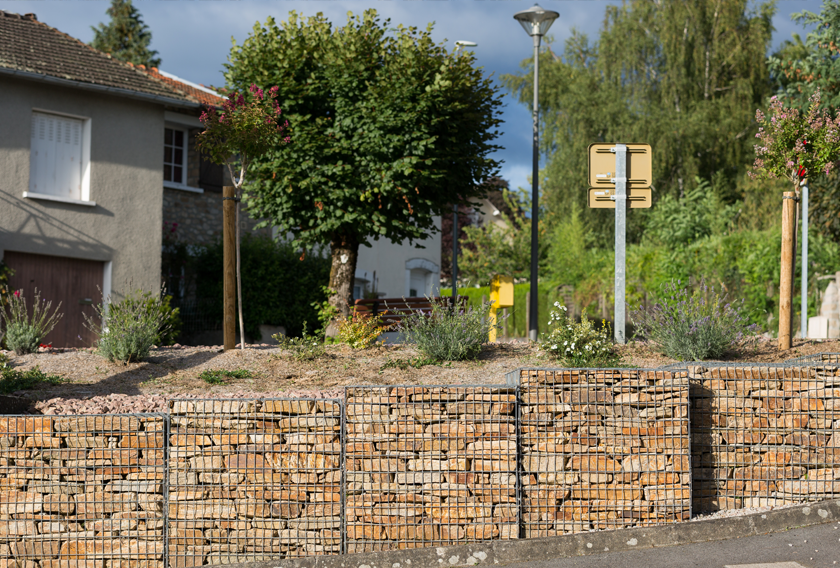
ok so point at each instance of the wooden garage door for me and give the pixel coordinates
(73, 282)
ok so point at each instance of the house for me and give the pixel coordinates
(93, 151)
(98, 158)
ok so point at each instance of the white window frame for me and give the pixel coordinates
(182, 186)
(85, 163)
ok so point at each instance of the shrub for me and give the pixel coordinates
(217, 377)
(693, 326)
(578, 344)
(279, 285)
(24, 333)
(128, 330)
(304, 348)
(12, 380)
(360, 330)
(444, 334)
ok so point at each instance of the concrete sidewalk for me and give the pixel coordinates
(817, 546)
(702, 542)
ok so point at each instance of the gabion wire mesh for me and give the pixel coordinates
(254, 480)
(82, 491)
(603, 449)
(430, 466)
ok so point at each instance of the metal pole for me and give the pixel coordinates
(534, 292)
(803, 325)
(454, 255)
(620, 234)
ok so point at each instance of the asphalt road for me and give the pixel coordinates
(810, 547)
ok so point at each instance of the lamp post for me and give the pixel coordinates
(536, 22)
(458, 46)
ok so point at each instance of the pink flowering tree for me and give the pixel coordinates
(793, 145)
(246, 126)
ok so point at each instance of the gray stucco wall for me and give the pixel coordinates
(126, 182)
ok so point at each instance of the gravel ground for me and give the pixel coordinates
(93, 385)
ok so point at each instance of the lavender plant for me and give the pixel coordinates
(444, 334)
(693, 326)
(25, 332)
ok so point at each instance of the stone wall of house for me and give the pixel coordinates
(767, 435)
(199, 217)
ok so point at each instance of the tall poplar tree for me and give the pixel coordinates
(125, 37)
(684, 76)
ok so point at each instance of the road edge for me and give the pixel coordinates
(499, 553)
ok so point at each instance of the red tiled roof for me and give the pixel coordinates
(31, 46)
(199, 95)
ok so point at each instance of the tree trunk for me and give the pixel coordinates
(344, 253)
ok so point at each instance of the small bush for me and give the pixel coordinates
(24, 333)
(128, 330)
(360, 330)
(444, 334)
(578, 344)
(12, 380)
(693, 326)
(217, 377)
(307, 347)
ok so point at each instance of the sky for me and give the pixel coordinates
(193, 37)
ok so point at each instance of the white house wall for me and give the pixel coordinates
(126, 181)
(394, 261)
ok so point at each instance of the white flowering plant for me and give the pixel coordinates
(578, 344)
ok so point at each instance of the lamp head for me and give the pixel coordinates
(462, 43)
(536, 20)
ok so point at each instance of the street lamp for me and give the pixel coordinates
(458, 46)
(536, 22)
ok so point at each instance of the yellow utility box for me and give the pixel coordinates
(501, 296)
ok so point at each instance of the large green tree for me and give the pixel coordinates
(125, 37)
(684, 76)
(387, 129)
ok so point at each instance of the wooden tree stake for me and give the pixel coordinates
(229, 246)
(786, 276)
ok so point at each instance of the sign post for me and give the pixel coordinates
(620, 237)
(620, 175)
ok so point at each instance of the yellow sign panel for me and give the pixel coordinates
(501, 291)
(602, 166)
(636, 198)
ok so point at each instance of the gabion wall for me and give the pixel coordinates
(556, 451)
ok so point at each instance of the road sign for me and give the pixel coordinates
(602, 168)
(605, 198)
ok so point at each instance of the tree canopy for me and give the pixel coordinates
(387, 129)
(125, 37)
(683, 76)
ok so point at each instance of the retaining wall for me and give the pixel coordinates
(555, 451)
(764, 435)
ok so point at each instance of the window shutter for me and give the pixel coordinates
(56, 156)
